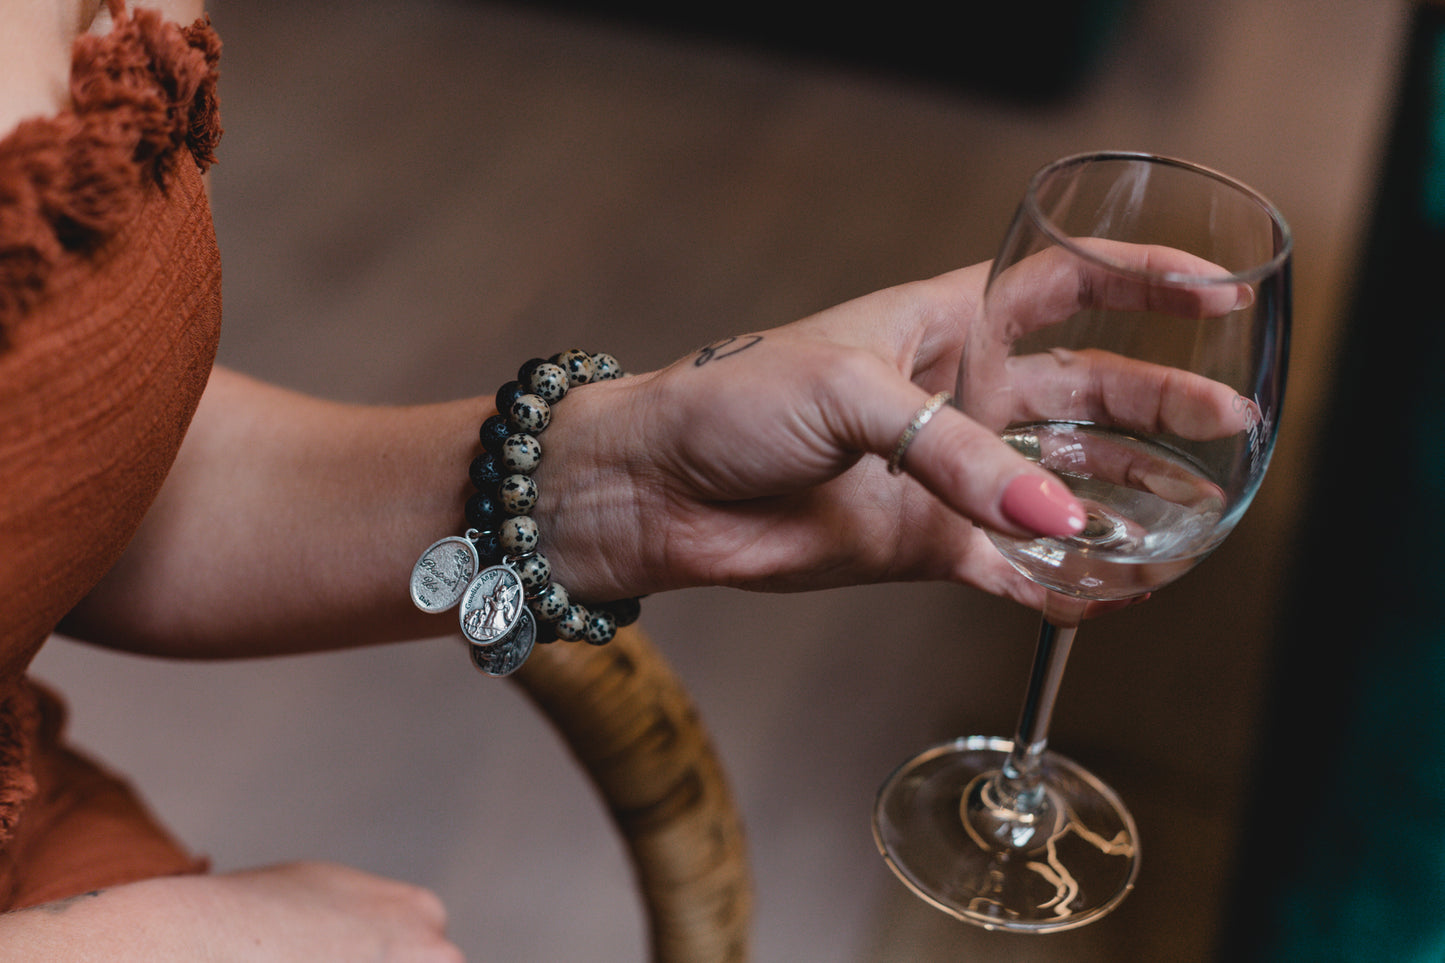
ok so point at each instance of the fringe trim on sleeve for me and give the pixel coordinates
(143, 97)
(19, 717)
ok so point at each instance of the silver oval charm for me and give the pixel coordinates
(492, 605)
(441, 575)
(507, 654)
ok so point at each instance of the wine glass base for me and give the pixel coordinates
(1071, 864)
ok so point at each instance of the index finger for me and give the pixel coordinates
(1055, 283)
(1100, 386)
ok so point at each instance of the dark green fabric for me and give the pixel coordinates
(1343, 858)
(1432, 184)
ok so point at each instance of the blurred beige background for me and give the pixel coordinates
(414, 197)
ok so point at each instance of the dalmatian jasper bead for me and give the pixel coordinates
(600, 628)
(521, 454)
(530, 414)
(535, 572)
(573, 623)
(518, 494)
(549, 382)
(551, 604)
(518, 535)
(578, 365)
(605, 367)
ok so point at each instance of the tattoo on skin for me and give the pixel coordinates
(725, 348)
(61, 905)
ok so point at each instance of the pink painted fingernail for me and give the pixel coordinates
(1042, 505)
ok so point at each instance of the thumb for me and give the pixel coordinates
(973, 471)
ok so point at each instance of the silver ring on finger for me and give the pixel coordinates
(923, 416)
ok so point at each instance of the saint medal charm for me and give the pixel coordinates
(507, 654)
(442, 574)
(492, 605)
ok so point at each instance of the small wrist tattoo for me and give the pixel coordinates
(725, 348)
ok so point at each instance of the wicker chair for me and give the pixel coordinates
(633, 728)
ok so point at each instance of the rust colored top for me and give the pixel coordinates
(110, 306)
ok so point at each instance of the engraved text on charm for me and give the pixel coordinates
(492, 604)
(442, 574)
(507, 655)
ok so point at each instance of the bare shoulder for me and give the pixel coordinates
(178, 11)
(181, 11)
(36, 43)
(35, 56)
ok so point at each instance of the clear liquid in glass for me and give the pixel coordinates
(1152, 512)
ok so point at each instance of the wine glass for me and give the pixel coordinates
(1133, 341)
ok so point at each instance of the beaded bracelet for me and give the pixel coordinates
(512, 603)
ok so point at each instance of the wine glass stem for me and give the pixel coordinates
(1020, 782)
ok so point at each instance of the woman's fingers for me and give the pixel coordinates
(1110, 389)
(970, 469)
(1050, 286)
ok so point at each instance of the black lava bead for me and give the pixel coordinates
(485, 473)
(509, 393)
(494, 432)
(483, 512)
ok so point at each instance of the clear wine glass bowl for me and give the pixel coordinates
(1133, 341)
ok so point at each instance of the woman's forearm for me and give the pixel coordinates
(287, 524)
(293, 913)
(127, 923)
(292, 524)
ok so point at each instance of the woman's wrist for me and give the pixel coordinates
(594, 505)
(497, 570)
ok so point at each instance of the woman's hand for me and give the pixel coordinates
(321, 911)
(295, 913)
(760, 461)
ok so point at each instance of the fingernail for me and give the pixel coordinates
(1042, 505)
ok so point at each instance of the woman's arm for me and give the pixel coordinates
(296, 913)
(291, 524)
(287, 524)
